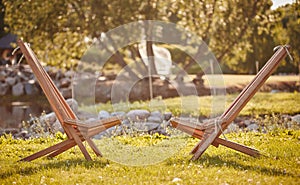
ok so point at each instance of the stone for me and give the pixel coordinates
(154, 119)
(30, 89)
(11, 80)
(156, 114)
(126, 122)
(138, 115)
(22, 135)
(65, 82)
(66, 92)
(252, 127)
(2, 76)
(49, 118)
(273, 91)
(145, 126)
(69, 74)
(56, 127)
(120, 113)
(247, 122)
(113, 131)
(59, 75)
(18, 89)
(73, 104)
(4, 88)
(37, 128)
(165, 124)
(103, 114)
(167, 116)
(296, 118)
(22, 76)
(108, 132)
(232, 128)
(82, 115)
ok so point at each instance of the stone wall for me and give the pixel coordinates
(19, 80)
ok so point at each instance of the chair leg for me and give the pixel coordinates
(194, 150)
(94, 147)
(218, 141)
(47, 150)
(238, 147)
(205, 142)
(79, 143)
(235, 146)
(61, 150)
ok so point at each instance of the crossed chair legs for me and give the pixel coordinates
(59, 148)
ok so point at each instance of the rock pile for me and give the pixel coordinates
(19, 80)
(139, 121)
(134, 122)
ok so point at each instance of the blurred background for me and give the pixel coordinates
(240, 33)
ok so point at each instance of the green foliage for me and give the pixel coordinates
(239, 32)
(286, 30)
(54, 29)
(2, 16)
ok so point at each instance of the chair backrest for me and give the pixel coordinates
(61, 108)
(248, 92)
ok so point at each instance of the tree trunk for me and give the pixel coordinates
(120, 60)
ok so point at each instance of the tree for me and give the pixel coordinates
(286, 30)
(62, 26)
(224, 25)
(53, 28)
(238, 31)
(2, 15)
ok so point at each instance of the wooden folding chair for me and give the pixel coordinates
(209, 132)
(77, 131)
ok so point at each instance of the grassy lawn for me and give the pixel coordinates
(260, 104)
(230, 80)
(279, 163)
(160, 159)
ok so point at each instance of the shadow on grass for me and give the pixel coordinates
(219, 161)
(223, 161)
(51, 164)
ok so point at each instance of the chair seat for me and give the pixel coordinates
(199, 126)
(91, 129)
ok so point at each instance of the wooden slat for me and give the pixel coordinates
(47, 150)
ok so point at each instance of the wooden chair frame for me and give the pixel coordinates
(209, 132)
(77, 131)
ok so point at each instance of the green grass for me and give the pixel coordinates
(279, 163)
(260, 104)
(230, 80)
(157, 159)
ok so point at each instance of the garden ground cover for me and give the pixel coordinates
(279, 163)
